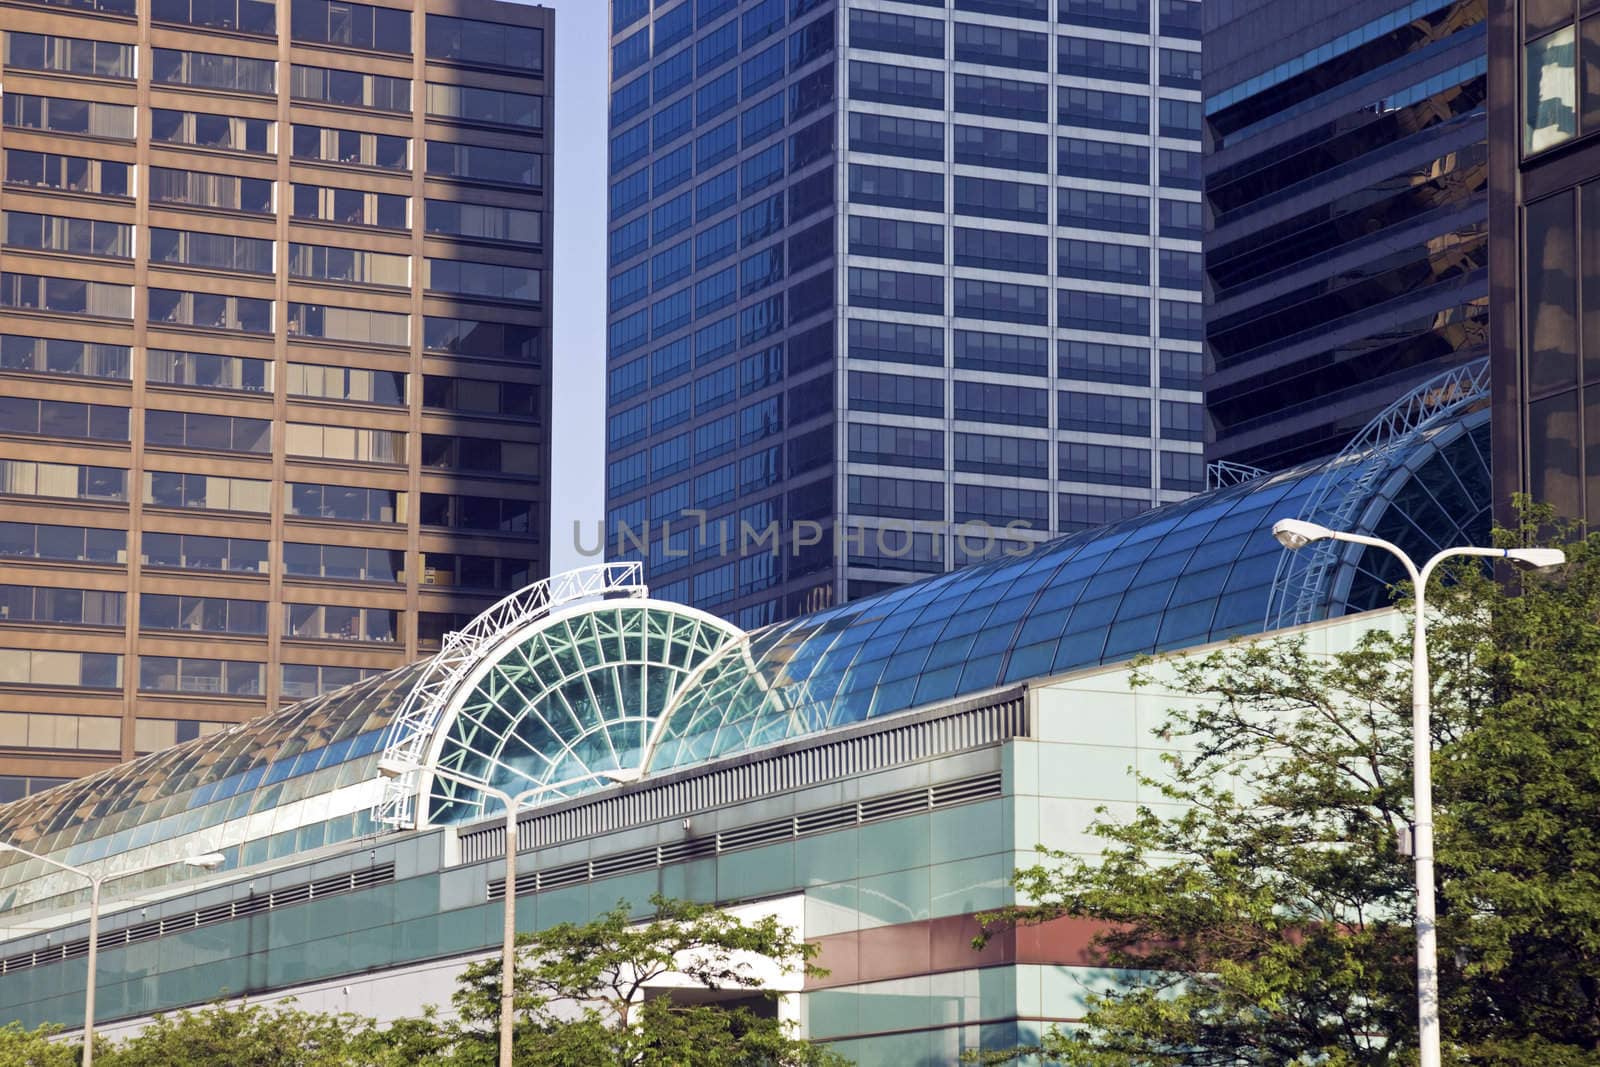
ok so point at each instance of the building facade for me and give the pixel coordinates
(884, 272)
(1346, 180)
(274, 361)
(872, 773)
(1544, 114)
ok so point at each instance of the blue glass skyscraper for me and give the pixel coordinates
(884, 273)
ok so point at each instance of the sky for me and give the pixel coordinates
(579, 277)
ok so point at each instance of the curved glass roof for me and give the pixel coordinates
(572, 694)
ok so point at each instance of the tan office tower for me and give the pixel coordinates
(274, 353)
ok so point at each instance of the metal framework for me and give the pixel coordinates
(413, 728)
(1304, 579)
(1223, 473)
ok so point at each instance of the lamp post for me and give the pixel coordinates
(514, 805)
(1295, 534)
(210, 861)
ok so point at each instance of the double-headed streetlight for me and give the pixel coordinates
(210, 861)
(514, 805)
(1296, 533)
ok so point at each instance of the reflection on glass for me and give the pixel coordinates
(1550, 97)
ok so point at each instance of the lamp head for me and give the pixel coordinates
(1537, 558)
(1297, 533)
(209, 862)
(395, 768)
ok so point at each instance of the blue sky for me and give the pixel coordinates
(578, 437)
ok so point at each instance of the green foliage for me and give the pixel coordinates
(34, 1048)
(1271, 917)
(250, 1035)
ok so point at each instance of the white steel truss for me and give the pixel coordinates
(414, 726)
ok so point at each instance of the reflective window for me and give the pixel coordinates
(1113, 60)
(213, 311)
(34, 292)
(1013, 405)
(355, 325)
(69, 55)
(1002, 250)
(188, 674)
(50, 605)
(209, 492)
(90, 670)
(69, 481)
(1000, 506)
(891, 135)
(453, 393)
(889, 84)
(74, 174)
(186, 248)
(1091, 209)
(1551, 93)
(79, 359)
(52, 730)
(196, 552)
(208, 70)
(459, 452)
(472, 337)
(350, 207)
(897, 290)
(205, 614)
(481, 163)
(202, 130)
(62, 115)
(490, 514)
(303, 680)
(330, 622)
(61, 418)
(342, 22)
(352, 563)
(345, 443)
(348, 265)
(205, 371)
(898, 498)
(1013, 457)
(1007, 353)
(71, 544)
(1003, 98)
(348, 88)
(998, 46)
(480, 43)
(476, 572)
(350, 503)
(347, 384)
(1106, 464)
(882, 31)
(59, 233)
(1100, 413)
(896, 342)
(328, 145)
(1002, 301)
(198, 189)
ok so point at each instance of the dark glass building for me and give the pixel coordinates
(1544, 124)
(1346, 249)
(273, 354)
(885, 274)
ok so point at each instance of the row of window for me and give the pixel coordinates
(1008, 302)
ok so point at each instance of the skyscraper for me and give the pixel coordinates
(1347, 245)
(274, 366)
(1545, 293)
(895, 270)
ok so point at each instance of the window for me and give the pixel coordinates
(347, 384)
(1550, 95)
(195, 552)
(202, 130)
(350, 207)
(898, 446)
(761, 270)
(1180, 69)
(1111, 60)
(897, 290)
(66, 481)
(811, 41)
(1180, 118)
(1007, 353)
(763, 69)
(214, 251)
(762, 419)
(1181, 270)
(495, 455)
(1180, 18)
(211, 311)
(345, 443)
(1182, 320)
(882, 31)
(483, 222)
(1081, 511)
(627, 240)
(357, 325)
(1103, 160)
(1001, 250)
(814, 91)
(1180, 170)
(1103, 110)
(221, 433)
(896, 394)
(886, 84)
(1002, 98)
(497, 44)
(672, 217)
(218, 191)
(1100, 413)
(671, 360)
(629, 146)
(68, 544)
(813, 193)
(631, 285)
(715, 292)
(62, 115)
(716, 193)
(1181, 218)
(202, 371)
(1002, 506)
(761, 21)
(348, 88)
(342, 22)
(670, 312)
(78, 359)
(307, 500)
(451, 393)
(1099, 261)
(890, 238)
(672, 169)
(301, 680)
(59, 233)
(327, 145)
(673, 26)
(996, 46)
(492, 281)
(72, 296)
(630, 100)
(1105, 464)
(1182, 421)
(1181, 370)
(69, 55)
(1002, 301)
(891, 136)
(206, 70)
(187, 674)
(1011, 457)
(1013, 405)
(235, 16)
(331, 622)
(1183, 471)
(175, 489)
(902, 498)
(475, 572)
(716, 96)
(1091, 361)
(1106, 312)
(482, 339)
(204, 614)
(894, 342)
(995, 199)
(983, 146)
(666, 126)
(892, 187)
(489, 514)
(62, 418)
(481, 163)
(1013, 9)
(761, 170)
(51, 730)
(73, 174)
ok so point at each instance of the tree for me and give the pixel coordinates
(1270, 921)
(251, 1035)
(21, 1047)
(583, 993)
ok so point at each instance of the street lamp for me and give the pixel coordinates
(1297, 533)
(514, 804)
(210, 861)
